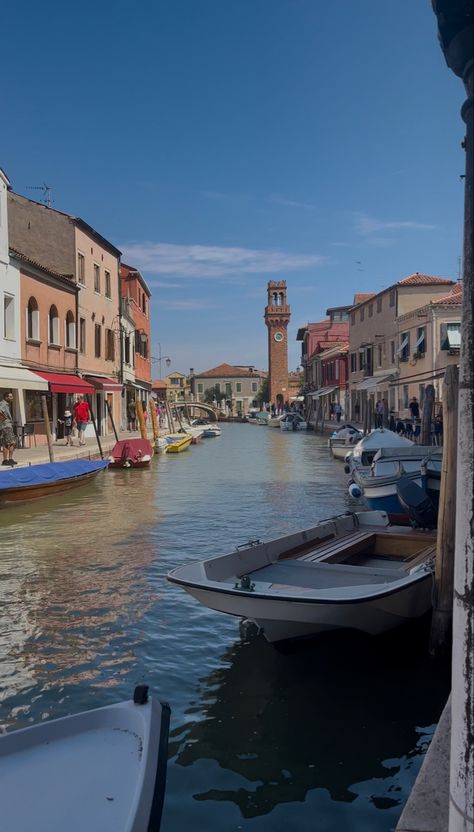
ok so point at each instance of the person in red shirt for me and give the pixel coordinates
(82, 416)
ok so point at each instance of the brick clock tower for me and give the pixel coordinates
(277, 316)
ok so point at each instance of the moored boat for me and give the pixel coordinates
(353, 571)
(211, 431)
(34, 481)
(362, 454)
(161, 445)
(293, 421)
(100, 769)
(178, 442)
(343, 439)
(131, 453)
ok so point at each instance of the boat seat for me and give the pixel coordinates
(344, 546)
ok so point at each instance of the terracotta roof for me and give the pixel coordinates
(418, 279)
(229, 371)
(335, 349)
(362, 296)
(20, 256)
(159, 385)
(454, 298)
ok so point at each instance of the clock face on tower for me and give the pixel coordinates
(278, 336)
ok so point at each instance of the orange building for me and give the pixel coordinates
(134, 289)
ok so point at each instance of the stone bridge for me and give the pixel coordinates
(197, 409)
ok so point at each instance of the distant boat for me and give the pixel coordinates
(211, 431)
(131, 453)
(343, 439)
(33, 481)
(103, 769)
(293, 421)
(161, 445)
(178, 442)
(350, 572)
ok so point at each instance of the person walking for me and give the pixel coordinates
(82, 416)
(414, 408)
(132, 415)
(338, 411)
(67, 422)
(379, 413)
(7, 437)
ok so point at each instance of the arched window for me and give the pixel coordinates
(274, 299)
(32, 320)
(53, 329)
(70, 331)
(280, 299)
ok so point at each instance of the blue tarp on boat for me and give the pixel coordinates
(49, 472)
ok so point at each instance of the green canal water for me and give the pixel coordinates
(326, 737)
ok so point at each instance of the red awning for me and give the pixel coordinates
(103, 383)
(63, 383)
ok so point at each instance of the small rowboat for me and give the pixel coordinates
(131, 453)
(178, 442)
(33, 481)
(103, 769)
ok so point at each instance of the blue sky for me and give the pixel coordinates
(223, 143)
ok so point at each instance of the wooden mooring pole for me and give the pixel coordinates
(47, 425)
(441, 625)
(141, 419)
(154, 421)
(428, 404)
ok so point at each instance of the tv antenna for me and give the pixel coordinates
(46, 189)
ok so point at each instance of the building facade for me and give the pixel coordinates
(136, 294)
(277, 317)
(238, 387)
(376, 349)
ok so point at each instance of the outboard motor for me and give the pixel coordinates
(415, 501)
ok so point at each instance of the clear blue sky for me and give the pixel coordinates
(222, 143)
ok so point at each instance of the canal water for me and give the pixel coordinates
(322, 738)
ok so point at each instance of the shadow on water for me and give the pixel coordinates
(333, 714)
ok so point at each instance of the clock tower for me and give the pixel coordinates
(277, 316)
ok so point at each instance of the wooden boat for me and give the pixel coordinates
(211, 431)
(343, 439)
(131, 453)
(33, 481)
(178, 442)
(353, 571)
(103, 769)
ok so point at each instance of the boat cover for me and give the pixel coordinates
(132, 450)
(49, 472)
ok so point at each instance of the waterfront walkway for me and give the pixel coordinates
(40, 454)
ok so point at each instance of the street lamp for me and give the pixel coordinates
(161, 358)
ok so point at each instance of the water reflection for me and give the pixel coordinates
(325, 718)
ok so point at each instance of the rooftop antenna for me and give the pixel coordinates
(46, 189)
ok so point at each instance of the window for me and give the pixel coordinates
(404, 348)
(32, 319)
(82, 335)
(108, 285)
(392, 352)
(228, 390)
(420, 343)
(238, 387)
(379, 355)
(144, 302)
(144, 340)
(70, 331)
(336, 368)
(109, 345)
(254, 386)
(379, 304)
(97, 340)
(450, 336)
(9, 317)
(371, 309)
(353, 362)
(200, 388)
(175, 381)
(362, 314)
(391, 301)
(361, 359)
(96, 278)
(126, 349)
(81, 268)
(218, 387)
(53, 328)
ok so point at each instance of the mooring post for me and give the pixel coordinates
(154, 421)
(427, 416)
(47, 425)
(141, 419)
(441, 625)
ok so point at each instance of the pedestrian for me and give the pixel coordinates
(7, 437)
(82, 416)
(67, 421)
(379, 413)
(414, 408)
(338, 411)
(132, 415)
(357, 411)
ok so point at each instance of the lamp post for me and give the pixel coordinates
(160, 358)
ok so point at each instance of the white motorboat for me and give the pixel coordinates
(293, 421)
(211, 431)
(161, 445)
(274, 421)
(353, 571)
(362, 454)
(103, 769)
(343, 439)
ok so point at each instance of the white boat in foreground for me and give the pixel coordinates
(353, 571)
(362, 454)
(103, 769)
